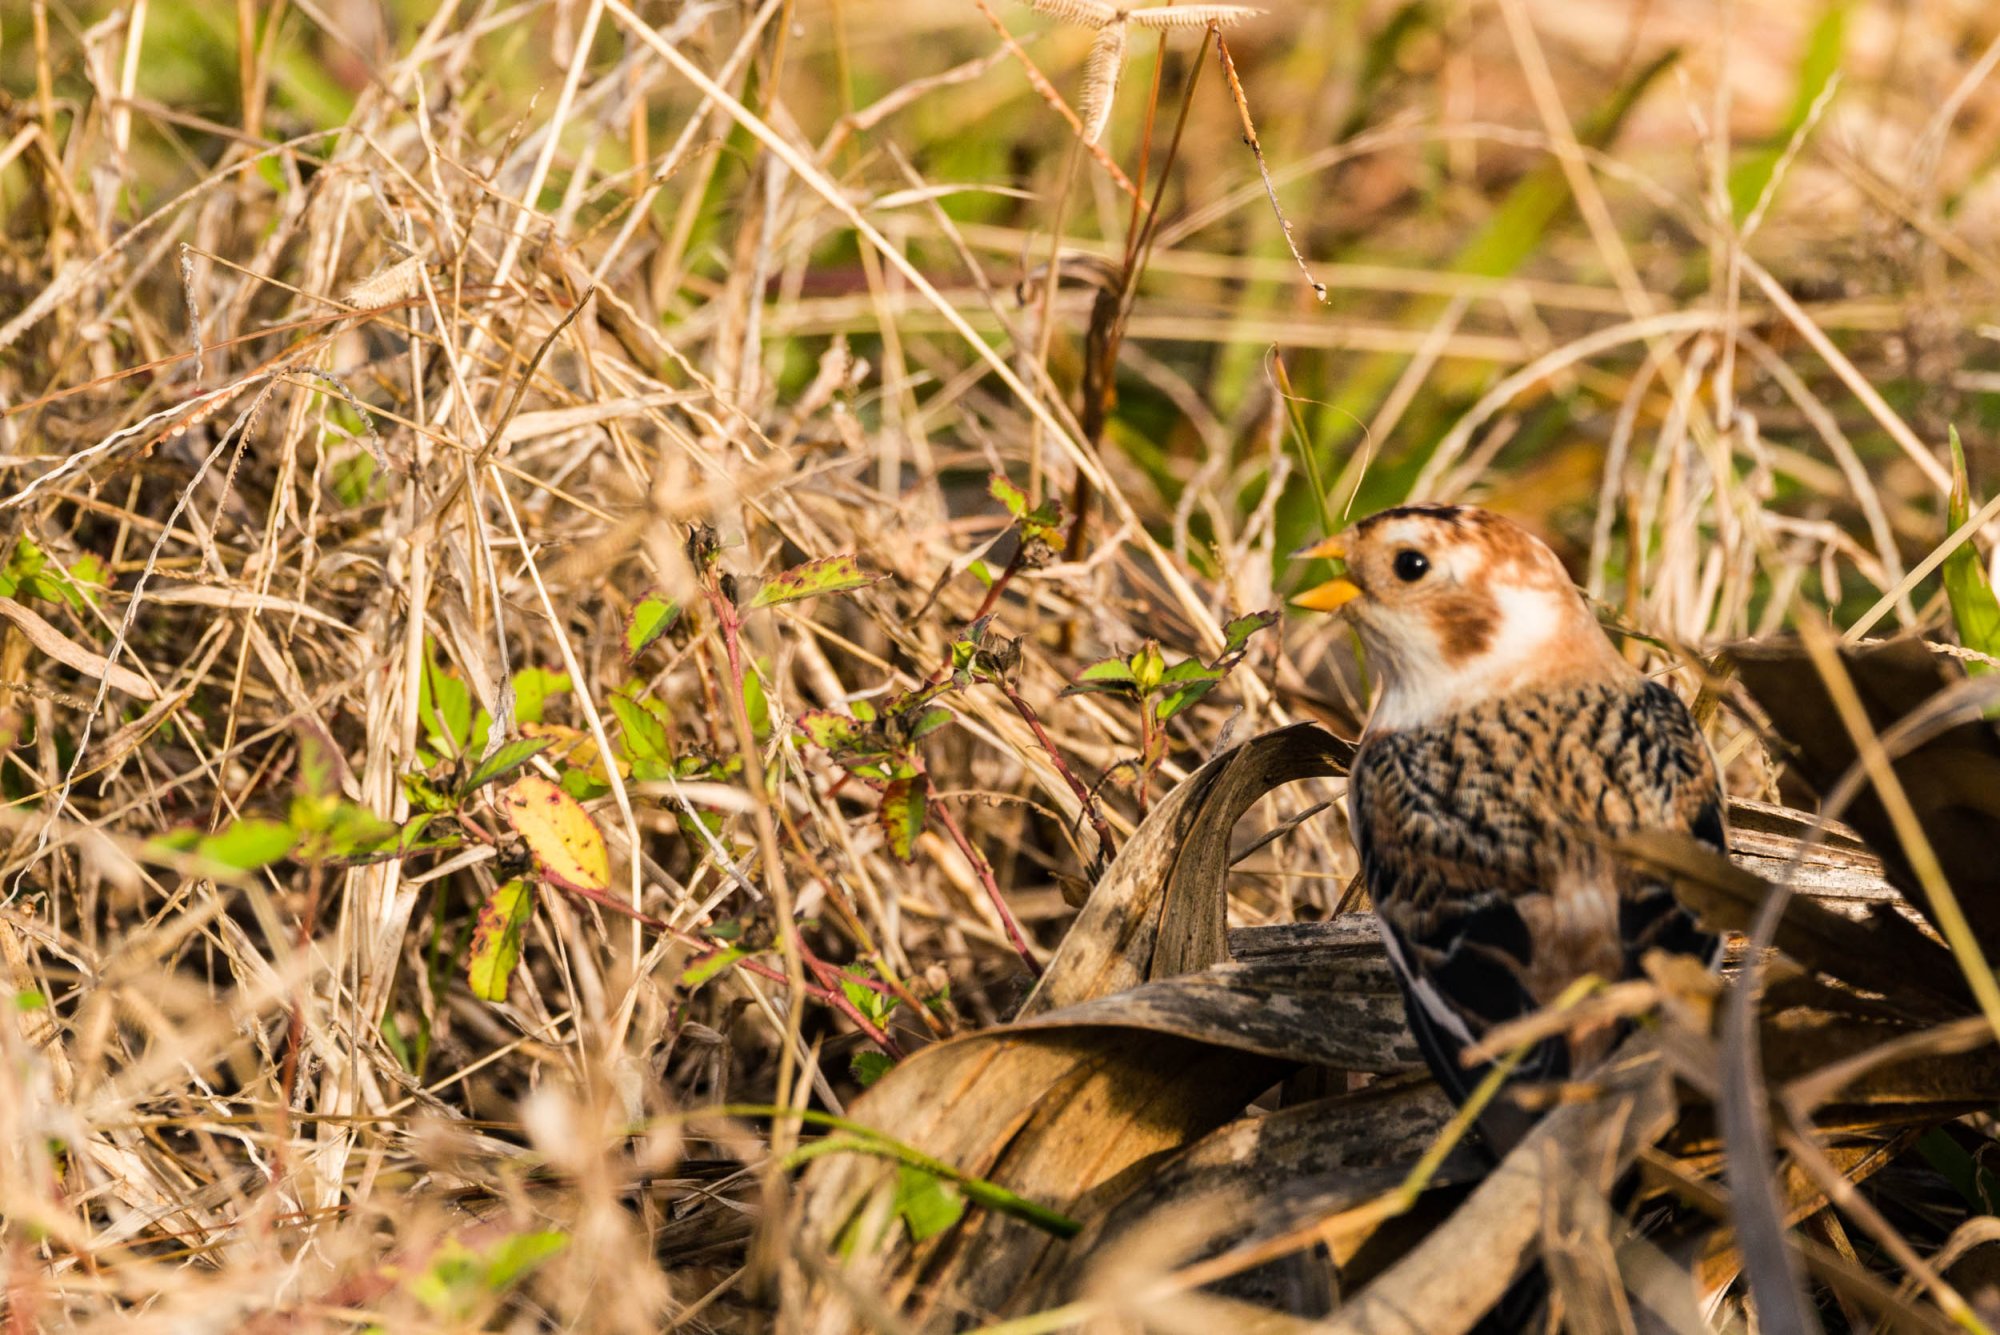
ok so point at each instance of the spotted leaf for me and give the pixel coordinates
(566, 843)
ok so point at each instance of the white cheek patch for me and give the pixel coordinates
(1426, 687)
(1529, 620)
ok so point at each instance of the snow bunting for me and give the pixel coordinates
(1509, 744)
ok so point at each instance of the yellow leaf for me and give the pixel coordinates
(496, 941)
(568, 846)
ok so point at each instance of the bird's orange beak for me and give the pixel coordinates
(1336, 593)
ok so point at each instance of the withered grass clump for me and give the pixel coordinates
(607, 610)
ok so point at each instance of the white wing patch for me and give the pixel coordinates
(1441, 1012)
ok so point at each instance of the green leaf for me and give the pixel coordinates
(353, 479)
(1236, 635)
(829, 574)
(415, 838)
(653, 616)
(756, 705)
(876, 1007)
(87, 569)
(506, 758)
(1004, 491)
(532, 688)
(867, 1066)
(426, 795)
(644, 735)
(457, 1280)
(1110, 674)
(926, 1205)
(710, 965)
(1044, 522)
(1183, 684)
(450, 1283)
(981, 572)
(23, 563)
(496, 941)
(905, 807)
(583, 785)
(929, 722)
(392, 1037)
(1974, 608)
(339, 829)
(514, 1257)
(444, 706)
(829, 731)
(1191, 669)
(1818, 64)
(248, 844)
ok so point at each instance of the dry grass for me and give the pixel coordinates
(360, 365)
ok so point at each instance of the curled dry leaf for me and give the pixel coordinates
(1058, 1107)
(1159, 910)
(1883, 953)
(1952, 779)
(567, 845)
(1263, 1176)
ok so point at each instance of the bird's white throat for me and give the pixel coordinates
(1536, 636)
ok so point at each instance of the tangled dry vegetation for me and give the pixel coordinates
(610, 608)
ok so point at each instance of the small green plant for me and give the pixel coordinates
(460, 1283)
(1974, 609)
(31, 572)
(1163, 690)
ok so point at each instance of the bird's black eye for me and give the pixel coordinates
(1411, 565)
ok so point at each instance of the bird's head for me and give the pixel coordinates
(1458, 606)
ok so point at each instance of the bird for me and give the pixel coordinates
(1510, 744)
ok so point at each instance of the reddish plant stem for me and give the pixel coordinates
(863, 939)
(998, 587)
(1083, 794)
(831, 978)
(984, 871)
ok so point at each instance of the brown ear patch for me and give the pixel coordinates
(1466, 623)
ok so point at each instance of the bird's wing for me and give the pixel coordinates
(1482, 846)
